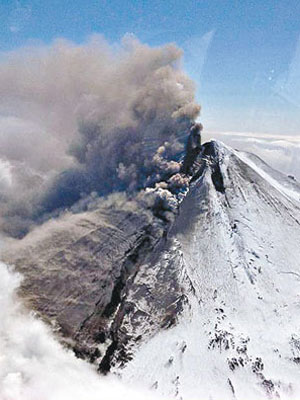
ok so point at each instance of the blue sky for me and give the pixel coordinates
(241, 53)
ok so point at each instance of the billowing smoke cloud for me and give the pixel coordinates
(82, 119)
(34, 366)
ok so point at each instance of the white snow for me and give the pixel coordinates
(285, 191)
(242, 255)
(238, 259)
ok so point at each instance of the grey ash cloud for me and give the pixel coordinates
(90, 118)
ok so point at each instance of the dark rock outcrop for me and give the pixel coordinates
(80, 276)
(119, 279)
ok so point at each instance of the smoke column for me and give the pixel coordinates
(82, 119)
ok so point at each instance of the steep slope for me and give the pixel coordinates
(236, 245)
(74, 269)
(204, 307)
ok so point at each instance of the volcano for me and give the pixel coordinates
(203, 306)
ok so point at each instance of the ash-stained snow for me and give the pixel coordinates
(203, 305)
(34, 366)
(236, 248)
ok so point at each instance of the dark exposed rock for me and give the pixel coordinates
(222, 340)
(231, 386)
(75, 270)
(86, 274)
(257, 365)
(193, 148)
(109, 280)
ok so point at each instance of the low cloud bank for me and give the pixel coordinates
(280, 152)
(33, 366)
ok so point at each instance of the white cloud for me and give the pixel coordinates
(281, 152)
(34, 366)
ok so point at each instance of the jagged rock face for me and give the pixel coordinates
(207, 307)
(75, 269)
(236, 246)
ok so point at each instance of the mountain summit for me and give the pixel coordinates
(203, 306)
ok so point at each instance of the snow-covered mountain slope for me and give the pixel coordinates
(205, 307)
(235, 250)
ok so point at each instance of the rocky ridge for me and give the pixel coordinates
(125, 287)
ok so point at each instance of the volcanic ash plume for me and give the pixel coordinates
(82, 119)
